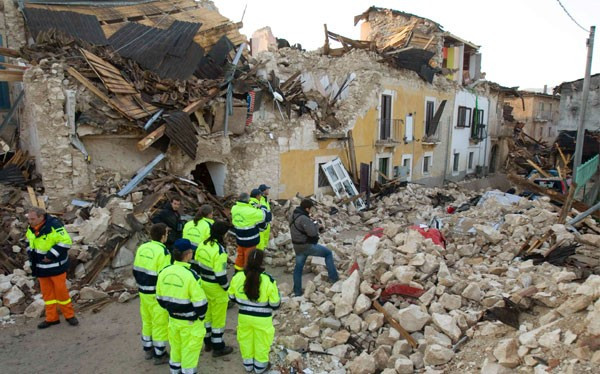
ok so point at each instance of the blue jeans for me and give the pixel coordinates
(313, 250)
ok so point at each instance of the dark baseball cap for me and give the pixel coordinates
(255, 192)
(263, 187)
(183, 245)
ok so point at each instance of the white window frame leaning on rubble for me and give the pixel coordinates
(322, 160)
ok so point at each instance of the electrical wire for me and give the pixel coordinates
(571, 17)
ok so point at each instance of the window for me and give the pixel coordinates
(464, 117)
(408, 131)
(4, 94)
(322, 180)
(549, 131)
(426, 164)
(471, 156)
(455, 162)
(385, 117)
(383, 167)
(478, 117)
(429, 113)
(541, 131)
(407, 165)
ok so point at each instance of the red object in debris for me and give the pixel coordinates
(402, 290)
(377, 231)
(450, 209)
(353, 267)
(434, 234)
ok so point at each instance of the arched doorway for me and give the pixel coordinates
(493, 158)
(212, 176)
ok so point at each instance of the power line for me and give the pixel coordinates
(571, 17)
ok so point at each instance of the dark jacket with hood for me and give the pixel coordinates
(303, 229)
(172, 219)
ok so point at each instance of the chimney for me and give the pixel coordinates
(546, 89)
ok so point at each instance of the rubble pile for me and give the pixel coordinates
(466, 297)
(106, 231)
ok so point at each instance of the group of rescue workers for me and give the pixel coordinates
(182, 279)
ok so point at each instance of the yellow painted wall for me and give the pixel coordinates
(298, 166)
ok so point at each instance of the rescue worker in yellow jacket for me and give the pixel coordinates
(150, 259)
(198, 229)
(266, 206)
(210, 262)
(179, 291)
(49, 243)
(248, 221)
(257, 296)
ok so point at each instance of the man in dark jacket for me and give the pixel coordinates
(169, 215)
(305, 236)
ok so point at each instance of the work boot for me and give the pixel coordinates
(149, 354)
(46, 324)
(73, 321)
(222, 352)
(160, 360)
(207, 347)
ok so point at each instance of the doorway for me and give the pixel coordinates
(493, 158)
(212, 176)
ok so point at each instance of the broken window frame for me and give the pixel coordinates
(464, 117)
(340, 181)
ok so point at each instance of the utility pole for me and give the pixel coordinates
(586, 91)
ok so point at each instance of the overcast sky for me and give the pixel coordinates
(525, 43)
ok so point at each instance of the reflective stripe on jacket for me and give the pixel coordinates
(178, 290)
(150, 259)
(266, 206)
(268, 299)
(210, 261)
(247, 221)
(48, 250)
(197, 232)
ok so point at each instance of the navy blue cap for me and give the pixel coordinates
(255, 192)
(263, 187)
(183, 245)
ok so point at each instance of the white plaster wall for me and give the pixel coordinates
(460, 142)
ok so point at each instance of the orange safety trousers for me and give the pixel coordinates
(55, 292)
(242, 257)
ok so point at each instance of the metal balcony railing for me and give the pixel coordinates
(390, 131)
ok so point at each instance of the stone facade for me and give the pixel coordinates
(570, 105)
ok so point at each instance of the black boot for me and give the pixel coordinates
(46, 324)
(73, 321)
(222, 352)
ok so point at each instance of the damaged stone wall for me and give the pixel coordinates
(385, 25)
(14, 26)
(45, 134)
(570, 105)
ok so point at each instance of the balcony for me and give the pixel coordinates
(478, 133)
(390, 132)
(543, 116)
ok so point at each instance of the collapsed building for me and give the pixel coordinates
(110, 97)
(105, 96)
